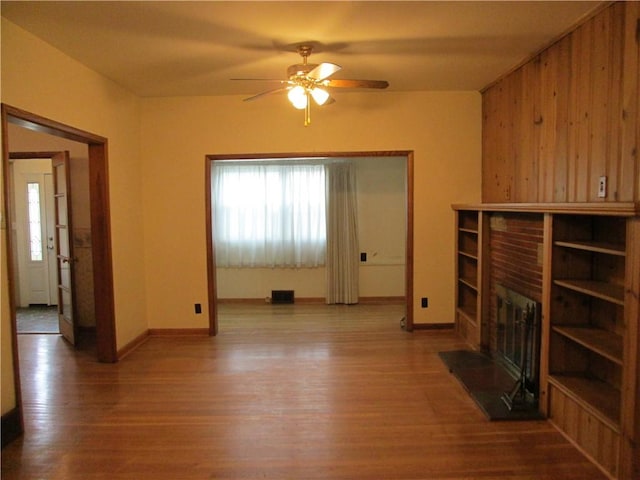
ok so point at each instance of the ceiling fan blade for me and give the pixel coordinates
(264, 94)
(357, 83)
(323, 71)
(260, 80)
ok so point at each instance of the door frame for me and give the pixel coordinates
(100, 228)
(211, 259)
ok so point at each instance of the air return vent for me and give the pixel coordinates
(281, 296)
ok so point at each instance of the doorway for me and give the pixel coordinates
(33, 231)
(405, 156)
(98, 212)
(103, 297)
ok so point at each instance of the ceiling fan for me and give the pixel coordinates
(306, 81)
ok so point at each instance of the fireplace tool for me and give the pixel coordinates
(516, 398)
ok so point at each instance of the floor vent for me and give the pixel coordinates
(281, 296)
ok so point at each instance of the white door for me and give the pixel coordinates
(34, 227)
(50, 238)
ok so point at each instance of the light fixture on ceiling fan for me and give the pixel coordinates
(308, 81)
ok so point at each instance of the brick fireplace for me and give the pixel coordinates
(515, 261)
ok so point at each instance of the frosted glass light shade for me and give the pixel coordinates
(320, 96)
(298, 97)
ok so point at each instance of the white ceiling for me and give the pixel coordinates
(165, 48)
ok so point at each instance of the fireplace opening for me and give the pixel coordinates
(518, 345)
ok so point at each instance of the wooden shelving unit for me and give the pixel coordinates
(590, 345)
(467, 275)
(589, 364)
(469, 281)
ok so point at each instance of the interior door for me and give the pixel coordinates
(61, 183)
(50, 239)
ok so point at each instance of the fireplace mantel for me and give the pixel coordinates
(623, 209)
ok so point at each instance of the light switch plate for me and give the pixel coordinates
(602, 187)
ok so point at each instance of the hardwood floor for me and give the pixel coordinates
(284, 392)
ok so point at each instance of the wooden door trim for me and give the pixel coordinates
(211, 259)
(100, 227)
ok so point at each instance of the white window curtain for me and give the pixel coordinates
(269, 215)
(342, 234)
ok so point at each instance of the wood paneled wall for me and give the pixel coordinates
(555, 125)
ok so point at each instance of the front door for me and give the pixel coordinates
(61, 189)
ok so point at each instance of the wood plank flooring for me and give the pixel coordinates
(283, 392)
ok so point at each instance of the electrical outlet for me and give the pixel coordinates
(425, 302)
(198, 308)
(363, 256)
(602, 187)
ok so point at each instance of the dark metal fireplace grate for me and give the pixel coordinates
(518, 345)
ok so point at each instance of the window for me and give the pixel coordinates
(269, 215)
(35, 224)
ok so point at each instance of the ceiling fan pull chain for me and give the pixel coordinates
(307, 112)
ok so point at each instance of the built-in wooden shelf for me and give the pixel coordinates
(596, 396)
(603, 342)
(598, 247)
(603, 290)
(473, 256)
(589, 255)
(469, 282)
(469, 238)
(469, 313)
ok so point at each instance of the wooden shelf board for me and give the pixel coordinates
(604, 343)
(469, 230)
(469, 314)
(470, 282)
(473, 256)
(600, 398)
(603, 290)
(598, 247)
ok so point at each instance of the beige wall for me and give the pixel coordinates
(156, 166)
(442, 128)
(42, 80)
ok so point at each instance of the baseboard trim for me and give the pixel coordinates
(11, 426)
(133, 345)
(312, 301)
(433, 326)
(382, 300)
(178, 332)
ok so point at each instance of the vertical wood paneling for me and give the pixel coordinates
(529, 121)
(555, 125)
(546, 122)
(588, 433)
(582, 102)
(614, 111)
(630, 124)
(599, 129)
